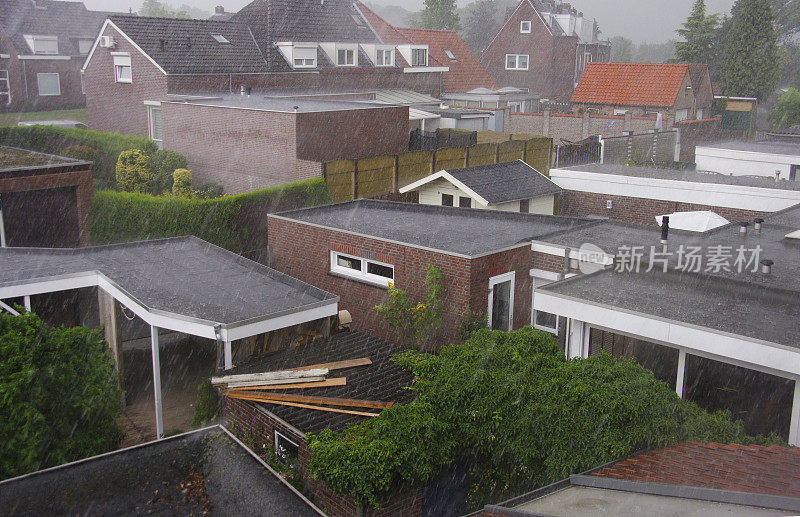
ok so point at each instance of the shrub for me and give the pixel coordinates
(59, 398)
(512, 408)
(133, 172)
(207, 406)
(182, 183)
(471, 321)
(163, 164)
(209, 191)
(80, 152)
(51, 139)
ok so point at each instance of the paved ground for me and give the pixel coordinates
(185, 361)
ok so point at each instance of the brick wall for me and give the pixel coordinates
(575, 127)
(518, 260)
(242, 418)
(119, 107)
(638, 210)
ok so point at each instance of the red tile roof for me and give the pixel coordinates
(385, 30)
(763, 470)
(631, 84)
(466, 73)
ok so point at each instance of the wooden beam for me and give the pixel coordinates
(295, 404)
(270, 376)
(336, 365)
(330, 401)
(335, 381)
(278, 383)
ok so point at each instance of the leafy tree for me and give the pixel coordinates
(59, 398)
(158, 9)
(622, 50)
(698, 32)
(512, 408)
(163, 163)
(481, 25)
(749, 63)
(787, 18)
(786, 112)
(182, 183)
(134, 173)
(440, 14)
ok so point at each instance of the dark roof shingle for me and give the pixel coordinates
(503, 182)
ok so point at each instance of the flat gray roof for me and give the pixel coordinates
(686, 175)
(184, 276)
(765, 146)
(462, 231)
(259, 101)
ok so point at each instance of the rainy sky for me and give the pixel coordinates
(640, 20)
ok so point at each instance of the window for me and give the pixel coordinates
(419, 57)
(539, 319)
(516, 61)
(42, 44)
(450, 55)
(304, 57)
(154, 121)
(345, 57)
(384, 57)
(525, 206)
(700, 114)
(5, 88)
(525, 27)
(49, 84)
(84, 46)
(447, 200)
(464, 202)
(122, 69)
(681, 115)
(219, 38)
(365, 270)
(286, 449)
(501, 301)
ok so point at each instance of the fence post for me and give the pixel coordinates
(433, 161)
(497, 153)
(466, 159)
(396, 178)
(355, 179)
(546, 123)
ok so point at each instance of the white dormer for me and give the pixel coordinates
(415, 55)
(380, 55)
(42, 44)
(299, 55)
(341, 54)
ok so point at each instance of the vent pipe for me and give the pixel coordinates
(743, 228)
(757, 224)
(248, 91)
(566, 264)
(664, 229)
(242, 90)
(766, 266)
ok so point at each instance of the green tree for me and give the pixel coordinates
(787, 18)
(512, 408)
(698, 32)
(440, 14)
(158, 9)
(750, 58)
(59, 398)
(786, 112)
(622, 50)
(182, 183)
(134, 173)
(481, 25)
(163, 163)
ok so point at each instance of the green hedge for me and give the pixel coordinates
(237, 222)
(50, 139)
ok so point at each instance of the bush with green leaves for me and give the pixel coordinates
(134, 173)
(58, 395)
(786, 112)
(521, 416)
(472, 321)
(209, 190)
(182, 183)
(164, 163)
(206, 409)
(80, 152)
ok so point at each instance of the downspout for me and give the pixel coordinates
(25, 77)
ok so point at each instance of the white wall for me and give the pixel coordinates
(744, 163)
(431, 194)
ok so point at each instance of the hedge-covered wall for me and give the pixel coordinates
(53, 140)
(237, 222)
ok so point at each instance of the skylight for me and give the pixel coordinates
(220, 38)
(794, 235)
(450, 54)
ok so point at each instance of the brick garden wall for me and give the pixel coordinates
(575, 127)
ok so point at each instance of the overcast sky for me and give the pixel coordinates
(639, 20)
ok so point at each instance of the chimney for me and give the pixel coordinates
(766, 266)
(757, 224)
(743, 228)
(664, 229)
(219, 10)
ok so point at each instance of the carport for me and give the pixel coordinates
(180, 284)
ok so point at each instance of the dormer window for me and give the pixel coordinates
(84, 46)
(419, 57)
(384, 57)
(346, 57)
(42, 44)
(219, 38)
(525, 27)
(299, 55)
(450, 55)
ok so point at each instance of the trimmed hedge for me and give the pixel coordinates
(236, 222)
(53, 140)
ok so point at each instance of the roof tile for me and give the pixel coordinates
(630, 84)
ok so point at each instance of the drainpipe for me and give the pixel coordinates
(220, 348)
(565, 271)
(2, 227)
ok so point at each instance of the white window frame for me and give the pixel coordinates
(348, 52)
(499, 279)
(39, 84)
(418, 49)
(363, 275)
(523, 28)
(31, 40)
(304, 61)
(275, 441)
(122, 60)
(383, 52)
(449, 54)
(681, 115)
(219, 38)
(159, 141)
(517, 60)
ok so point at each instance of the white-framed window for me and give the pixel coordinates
(84, 46)
(681, 115)
(345, 57)
(525, 27)
(287, 450)
(447, 199)
(49, 84)
(123, 72)
(42, 44)
(155, 127)
(419, 57)
(219, 38)
(384, 57)
(304, 57)
(620, 111)
(501, 302)
(541, 320)
(516, 61)
(365, 270)
(449, 54)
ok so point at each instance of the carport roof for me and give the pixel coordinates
(183, 278)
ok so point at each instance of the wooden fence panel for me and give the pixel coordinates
(451, 158)
(538, 152)
(413, 166)
(340, 178)
(482, 154)
(510, 151)
(492, 137)
(375, 176)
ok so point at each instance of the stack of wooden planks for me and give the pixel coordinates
(258, 387)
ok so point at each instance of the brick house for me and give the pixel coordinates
(355, 249)
(677, 92)
(544, 47)
(42, 46)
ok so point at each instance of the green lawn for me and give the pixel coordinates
(11, 119)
